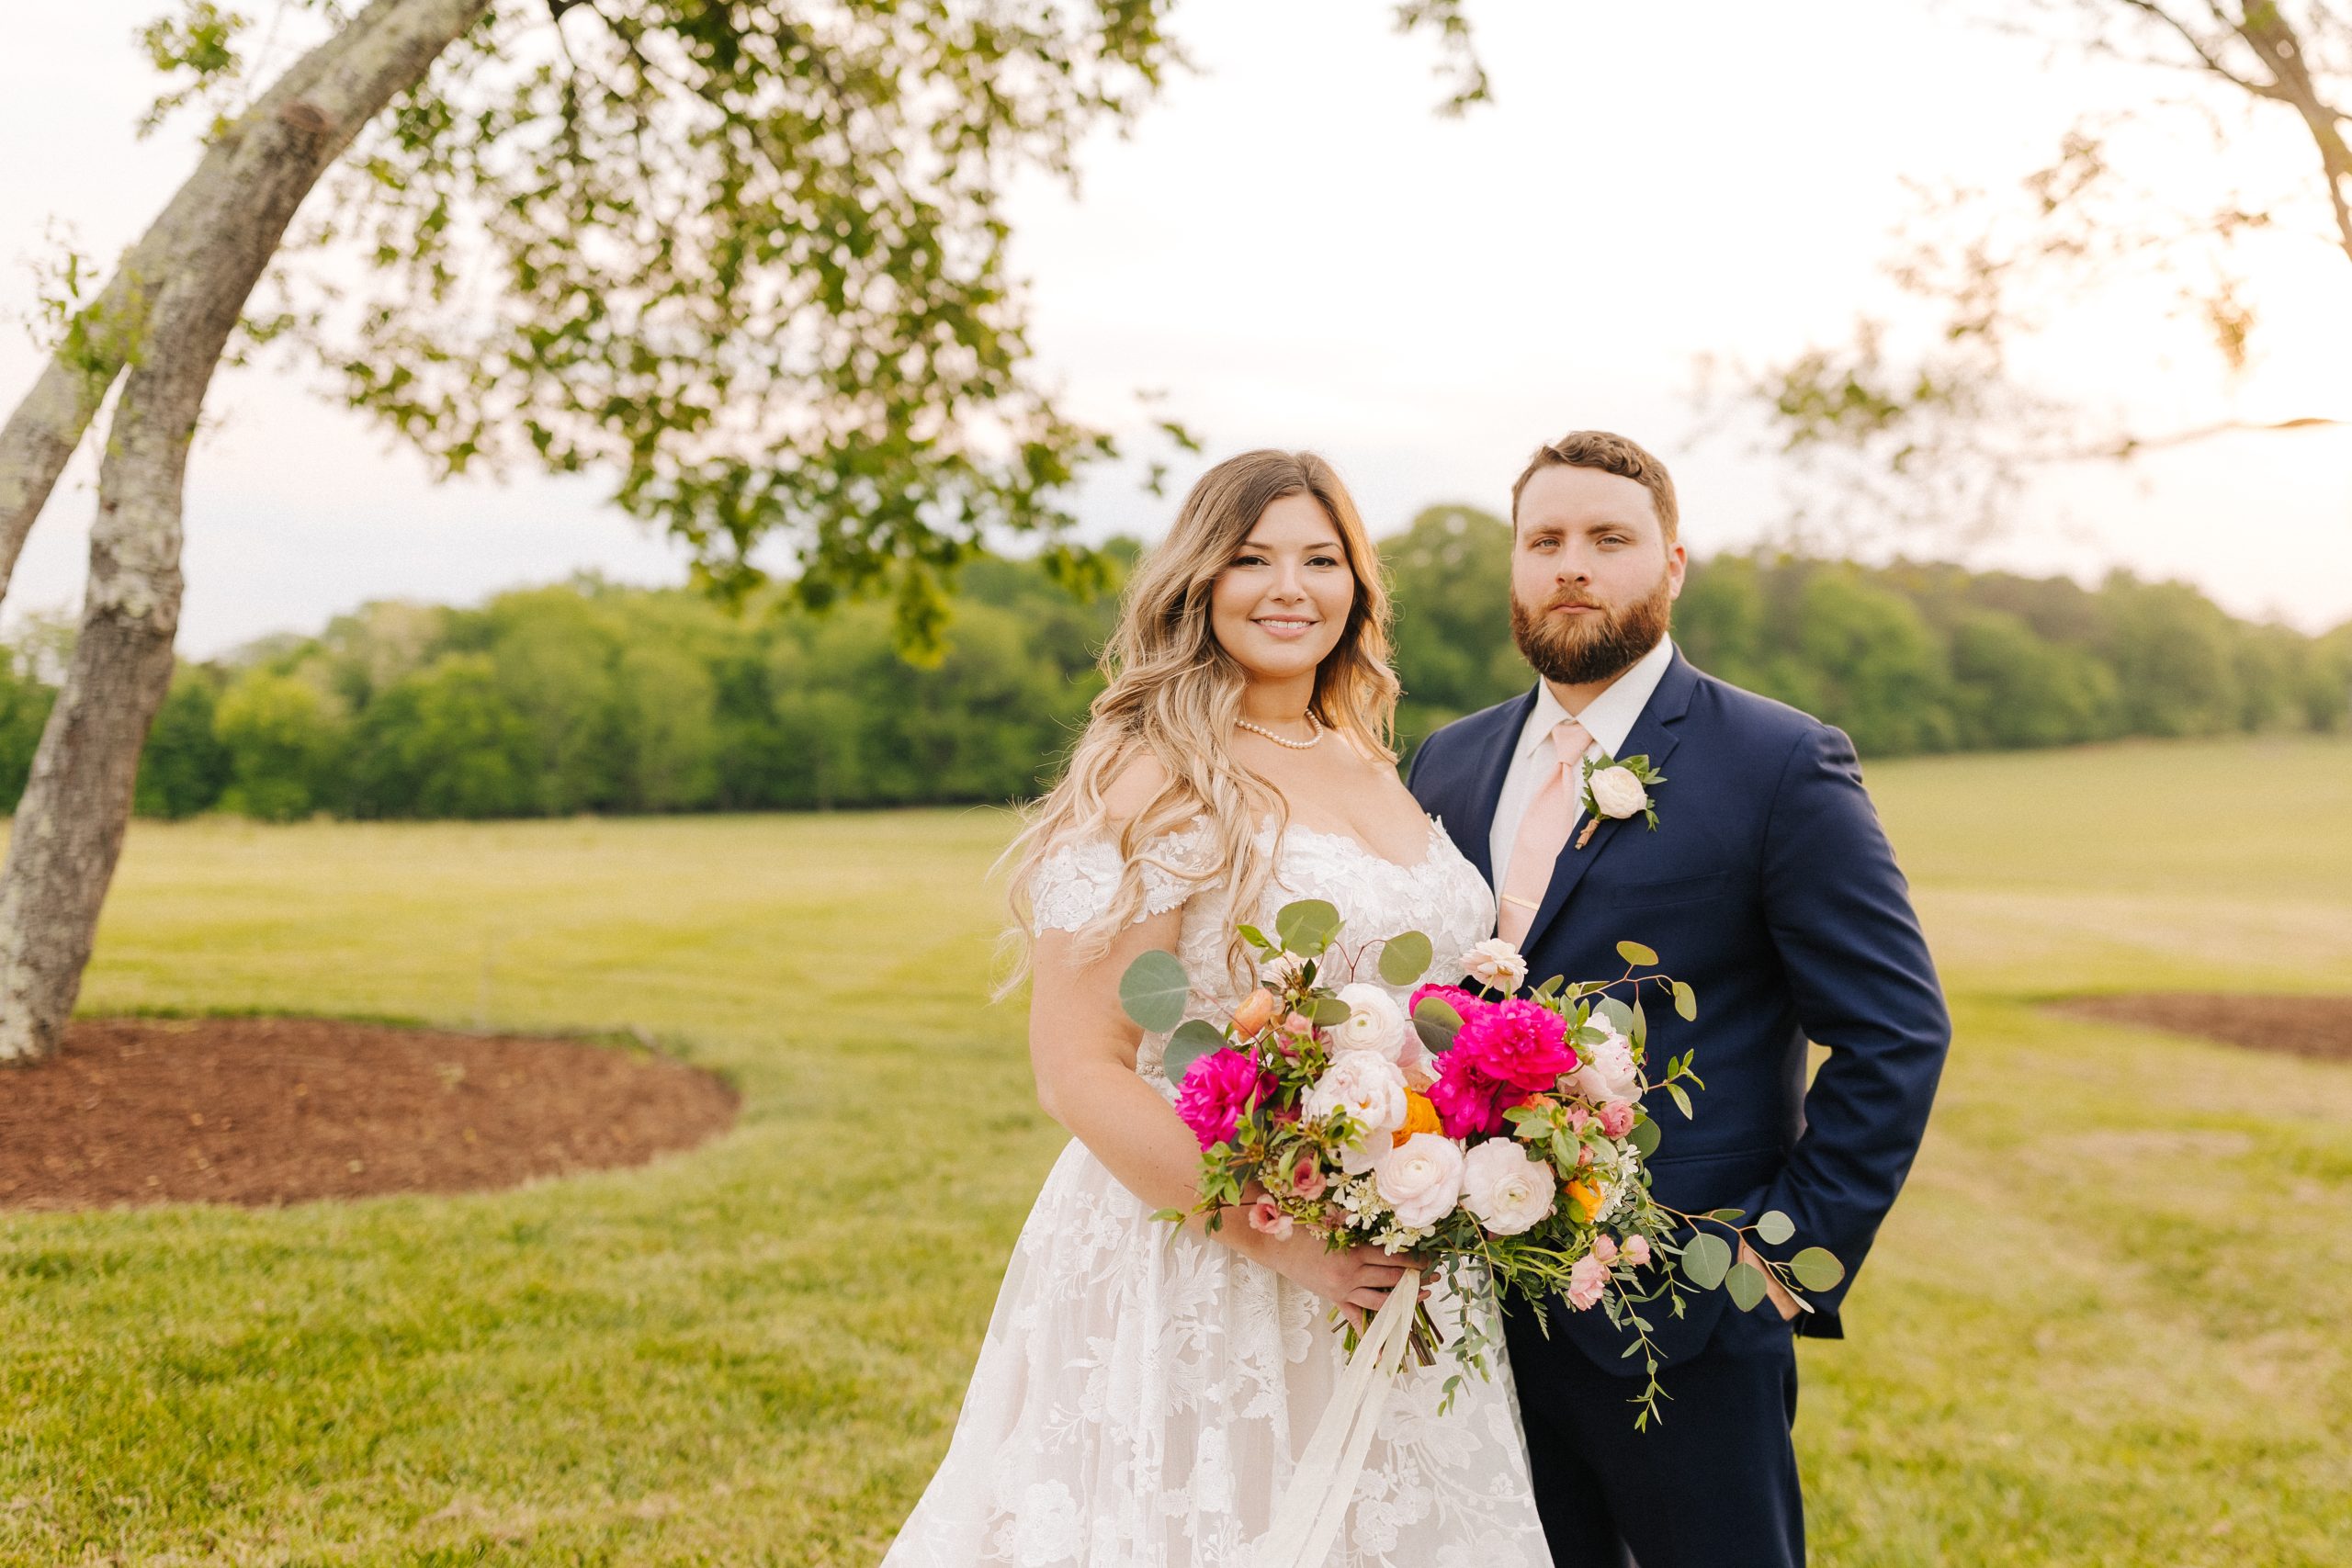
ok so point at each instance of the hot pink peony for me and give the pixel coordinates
(1216, 1089)
(1520, 1042)
(1468, 1102)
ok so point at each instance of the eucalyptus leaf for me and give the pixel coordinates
(1154, 990)
(1620, 1016)
(1306, 927)
(1747, 1282)
(1331, 1013)
(1643, 1137)
(1728, 1216)
(1634, 953)
(1817, 1268)
(1686, 1001)
(1545, 992)
(1437, 1024)
(1641, 1035)
(1405, 958)
(1705, 1260)
(1194, 1038)
(1774, 1227)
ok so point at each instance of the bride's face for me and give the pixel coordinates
(1282, 602)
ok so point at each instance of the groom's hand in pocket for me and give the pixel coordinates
(1783, 1302)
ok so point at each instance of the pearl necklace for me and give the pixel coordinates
(1285, 739)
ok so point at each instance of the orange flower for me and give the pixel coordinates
(1256, 1011)
(1587, 1199)
(1420, 1116)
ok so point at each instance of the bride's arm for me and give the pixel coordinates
(1083, 1049)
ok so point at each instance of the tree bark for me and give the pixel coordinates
(183, 287)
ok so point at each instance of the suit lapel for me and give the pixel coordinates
(1477, 823)
(1654, 736)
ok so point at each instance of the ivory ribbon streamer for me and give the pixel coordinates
(1308, 1518)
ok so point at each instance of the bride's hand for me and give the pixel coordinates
(1356, 1279)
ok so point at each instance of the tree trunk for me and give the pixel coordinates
(183, 288)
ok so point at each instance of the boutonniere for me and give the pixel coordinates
(1618, 790)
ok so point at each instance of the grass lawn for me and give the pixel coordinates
(2105, 1325)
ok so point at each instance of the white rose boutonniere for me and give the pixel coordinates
(1617, 789)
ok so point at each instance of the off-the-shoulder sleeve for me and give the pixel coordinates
(1078, 881)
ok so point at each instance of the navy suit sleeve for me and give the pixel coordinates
(1857, 966)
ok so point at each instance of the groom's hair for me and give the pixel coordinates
(1611, 454)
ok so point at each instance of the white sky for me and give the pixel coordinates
(1299, 254)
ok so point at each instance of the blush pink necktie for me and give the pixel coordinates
(1542, 833)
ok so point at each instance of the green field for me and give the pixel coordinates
(2106, 1327)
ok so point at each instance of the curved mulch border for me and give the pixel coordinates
(2297, 1026)
(267, 1110)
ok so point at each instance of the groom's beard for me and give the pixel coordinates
(1583, 650)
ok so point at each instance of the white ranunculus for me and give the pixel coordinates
(1503, 1188)
(1617, 792)
(1371, 1089)
(1606, 1071)
(1374, 1022)
(1420, 1179)
(1496, 965)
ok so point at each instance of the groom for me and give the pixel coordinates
(1769, 887)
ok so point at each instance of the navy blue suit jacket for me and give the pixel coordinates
(1770, 887)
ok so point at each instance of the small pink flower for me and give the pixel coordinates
(1266, 1217)
(1637, 1251)
(1587, 1281)
(1307, 1178)
(1604, 1247)
(1579, 1119)
(1617, 1118)
(1298, 1023)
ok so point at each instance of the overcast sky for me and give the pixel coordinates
(1298, 252)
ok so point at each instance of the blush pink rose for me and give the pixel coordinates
(1307, 1178)
(1617, 1118)
(1266, 1217)
(1216, 1088)
(1636, 1250)
(1604, 1247)
(1587, 1279)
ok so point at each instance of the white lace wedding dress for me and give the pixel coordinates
(1142, 1393)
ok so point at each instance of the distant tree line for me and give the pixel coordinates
(588, 697)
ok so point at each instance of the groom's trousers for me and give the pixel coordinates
(1714, 1487)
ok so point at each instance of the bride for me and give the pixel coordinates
(1143, 1392)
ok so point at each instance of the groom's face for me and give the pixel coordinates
(1593, 576)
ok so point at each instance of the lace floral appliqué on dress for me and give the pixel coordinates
(1142, 1393)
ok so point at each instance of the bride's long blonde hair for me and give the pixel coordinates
(1174, 694)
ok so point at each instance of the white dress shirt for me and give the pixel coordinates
(1609, 719)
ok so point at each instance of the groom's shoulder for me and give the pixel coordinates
(1756, 722)
(1472, 729)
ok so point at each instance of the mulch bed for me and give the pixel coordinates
(2297, 1026)
(267, 1110)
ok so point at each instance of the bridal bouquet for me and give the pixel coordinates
(1497, 1139)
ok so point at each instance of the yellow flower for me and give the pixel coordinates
(1420, 1116)
(1587, 1199)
